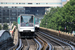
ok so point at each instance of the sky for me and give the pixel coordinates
(63, 0)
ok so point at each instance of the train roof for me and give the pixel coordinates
(2, 32)
(26, 15)
(4, 35)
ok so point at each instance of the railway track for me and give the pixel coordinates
(32, 44)
(44, 44)
(54, 42)
(29, 44)
(43, 41)
(68, 41)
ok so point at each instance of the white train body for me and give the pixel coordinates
(37, 23)
(26, 23)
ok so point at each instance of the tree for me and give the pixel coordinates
(5, 26)
(15, 23)
(47, 18)
(57, 17)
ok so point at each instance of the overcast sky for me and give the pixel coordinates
(63, 0)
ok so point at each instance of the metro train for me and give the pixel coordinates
(37, 23)
(26, 25)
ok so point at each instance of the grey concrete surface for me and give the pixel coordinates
(15, 37)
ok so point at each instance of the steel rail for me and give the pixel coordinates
(49, 44)
(40, 46)
(60, 41)
(41, 42)
(37, 47)
(50, 47)
(20, 45)
(54, 41)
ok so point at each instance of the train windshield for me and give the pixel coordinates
(26, 20)
(36, 20)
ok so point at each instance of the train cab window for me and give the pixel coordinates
(26, 20)
(36, 20)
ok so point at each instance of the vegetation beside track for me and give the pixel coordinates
(5, 26)
(60, 18)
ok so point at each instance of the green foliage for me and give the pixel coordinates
(0, 27)
(15, 23)
(5, 26)
(58, 18)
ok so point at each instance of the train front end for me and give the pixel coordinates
(26, 25)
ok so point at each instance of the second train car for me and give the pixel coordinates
(37, 23)
(26, 25)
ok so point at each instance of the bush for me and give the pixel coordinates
(5, 26)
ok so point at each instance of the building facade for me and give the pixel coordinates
(63, 3)
(8, 15)
(9, 10)
(37, 11)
